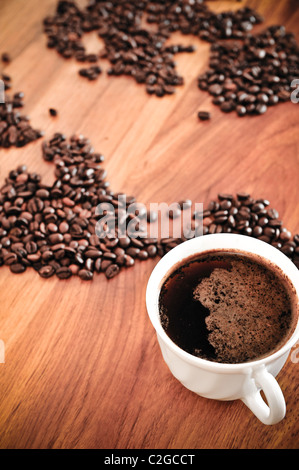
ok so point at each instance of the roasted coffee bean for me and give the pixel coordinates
(143, 254)
(203, 115)
(5, 57)
(152, 250)
(133, 251)
(53, 112)
(55, 238)
(10, 258)
(46, 271)
(85, 274)
(63, 272)
(17, 268)
(112, 271)
(31, 247)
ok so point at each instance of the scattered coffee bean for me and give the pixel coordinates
(112, 271)
(5, 57)
(17, 268)
(91, 73)
(85, 274)
(204, 115)
(46, 271)
(53, 112)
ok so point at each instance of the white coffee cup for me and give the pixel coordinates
(218, 380)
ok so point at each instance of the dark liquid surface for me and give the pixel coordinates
(213, 307)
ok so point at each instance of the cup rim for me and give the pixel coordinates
(217, 241)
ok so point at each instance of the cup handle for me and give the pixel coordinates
(275, 410)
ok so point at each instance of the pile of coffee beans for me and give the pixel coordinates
(247, 76)
(15, 128)
(250, 76)
(53, 228)
(133, 50)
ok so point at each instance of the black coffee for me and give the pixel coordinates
(227, 307)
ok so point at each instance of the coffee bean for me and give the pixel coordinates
(143, 254)
(63, 273)
(46, 271)
(112, 271)
(203, 115)
(10, 258)
(215, 89)
(55, 238)
(31, 247)
(152, 250)
(5, 57)
(17, 268)
(85, 275)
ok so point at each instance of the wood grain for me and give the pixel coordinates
(82, 365)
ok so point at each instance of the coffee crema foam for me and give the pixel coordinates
(250, 310)
(228, 307)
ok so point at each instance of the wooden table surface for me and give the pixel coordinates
(83, 368)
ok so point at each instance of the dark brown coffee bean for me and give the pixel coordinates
(34, 258)
(31, 247)
(241, 110)
(5, 57)
(152, 250)
(55, 238)
(185, 204)
(143, 254)
(263, 221)
(272, 214)
(112, 271)
(285, 235)
(223, 196)
(288, 250)
(17, 268)
(261, 108)
(203, 115)
(85, 275)
(269, 232)
(63, 273)
(10, 258)
(46, 271)
(132, 251)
